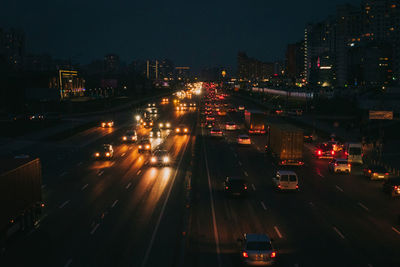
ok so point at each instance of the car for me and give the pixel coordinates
(148, 124)
(130, 136)
(182, 129)
(336, 146)
(164, 125)
(257, 250)
(151, 105)
(339, 165)
(105, 152)
(231, 109)
(155, 133)
(244, 139)
(286, 180)
(160, 157)
(144, 146)
(392, 186)
(209, 124)
(230, 126)
(375, 172)
(216, 132)
(235, 186)
(308, 137)
(241, 108)
(325, 151)
(210, 118)
(221, 112)
(107, 124)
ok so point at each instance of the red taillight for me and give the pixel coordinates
(273, 254)
(335, 164)
(369, 171)
(297, 186)
(333, 152)
(226, 187)
(349, 165)
(387, 173)
(346, 153)
(319, 152)
(244, 254)
(279, 186)
(245, 187)
(395, 187)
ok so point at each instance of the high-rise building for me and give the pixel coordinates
(12, 47)
(295, 62)
(250, 69)
(111, 63)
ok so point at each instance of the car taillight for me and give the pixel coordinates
(387, 173)
(395, 187)
(297, 186)
(279, 186)
(245, 187)
(244, 254)
(369, 171)
(333, 152)
(226, 187)
(319, 152)
(273, 254)
(335, 164)
(349, 165)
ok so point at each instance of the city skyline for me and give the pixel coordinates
(165, 30)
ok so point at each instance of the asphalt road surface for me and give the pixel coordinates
(124, 212)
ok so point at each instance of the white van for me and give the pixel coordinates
(286, 180)
(354, 153)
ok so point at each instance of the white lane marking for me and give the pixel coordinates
(320, 175)
(68, 263)
(79, 163)
(311, 204)
(370, 265)
(245, 173)
(235, 154)
(339, 188)
(296, 265)
(94, 229)
(138, 172)
(363, 206)
(240, 163)
(254, 187)
(43, 186)
(123, 154)
(214, 219)
(128, 185)
(153, 236)
(100, 173)
(84, 187)
(397, 231)
(63, 204)
(115, 203)
(263, 205)
(63, 174)
(278, 232)
(338, 232)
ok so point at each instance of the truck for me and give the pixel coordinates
(285, 144)
(20, 195)
(255, 121)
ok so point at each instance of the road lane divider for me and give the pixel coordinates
(263, 205)
(128, 185)
(114, 203)
(245, 173)
(254, 187)
(63, 174)
(240, 163)
(278, 232)
(338, 232)
(138, 172)
(123, 154)
(68, 263)
(100, 173)
(64, 204)
(79, 163)
(94, 229)
(397, 231)
(363, 206)
(84, 187)
(339, 188)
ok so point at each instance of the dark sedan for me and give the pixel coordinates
(235, 186)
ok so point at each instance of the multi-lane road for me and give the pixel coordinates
(124, 212)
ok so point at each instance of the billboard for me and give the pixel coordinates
(380, 115)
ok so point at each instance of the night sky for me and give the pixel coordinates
(193, 33)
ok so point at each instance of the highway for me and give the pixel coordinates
(121, 212)
(335, 219)
(124, 212)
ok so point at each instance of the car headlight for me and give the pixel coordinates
(185, 130)
(151, 124)
(147, 147)
(160, 125)
(97, 154)
(151, 134)
(109, 124)
(133, 137)
(166, 159)
(107, 154)
(124, 138)
(103, 124)
(177, 130)
(140, 146)
(153, 159)
(168, 125)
